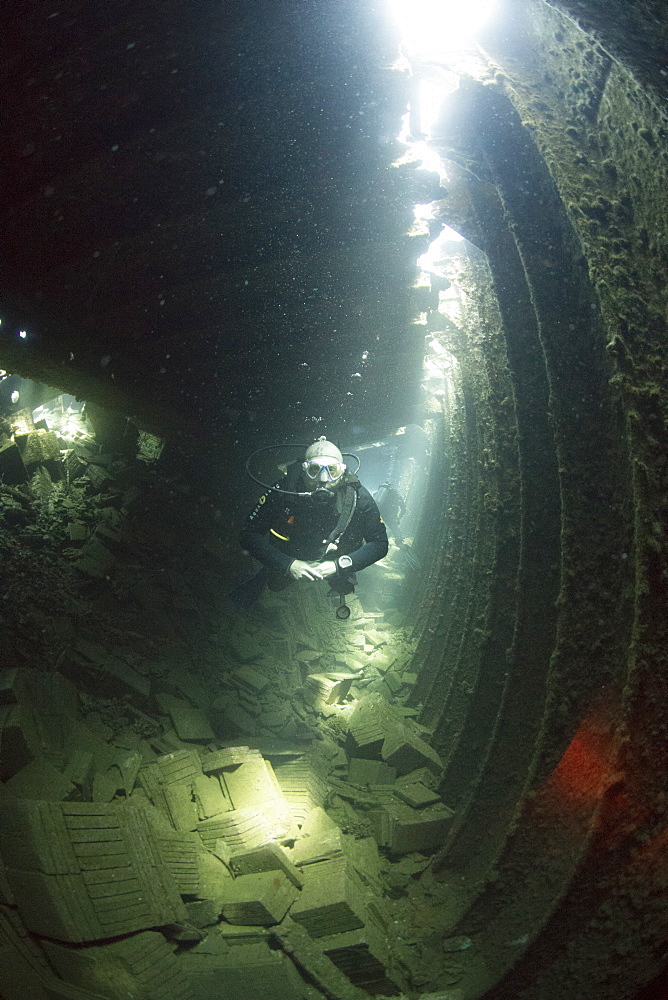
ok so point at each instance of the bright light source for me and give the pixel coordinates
(431, 25)
(425, 155)
(22, 334)
(431, 260)
(424, 212)
(450, 235)
(434, 88)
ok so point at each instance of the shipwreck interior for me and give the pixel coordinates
(443, 246)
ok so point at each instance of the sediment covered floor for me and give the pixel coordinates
(204, 799)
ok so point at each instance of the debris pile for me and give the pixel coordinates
(262, 863)
(198, 802)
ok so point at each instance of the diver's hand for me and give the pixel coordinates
(300, 570)
(327, 569)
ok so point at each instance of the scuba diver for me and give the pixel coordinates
(392, 508)
(317, 523)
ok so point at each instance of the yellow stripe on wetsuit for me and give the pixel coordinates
(283, 538)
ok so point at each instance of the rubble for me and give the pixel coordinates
(190, 723)
(362, 956)
(267, 858)
(320, 838)
(217, 821)
(249, 971)
(259, 898)
(146, 960)
(331, 901)
(83, 871)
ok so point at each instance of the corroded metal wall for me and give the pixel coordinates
(558, 744)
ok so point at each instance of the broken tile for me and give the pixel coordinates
(330, 902)
(327, 688)
(362, 956)
(189, 722)
(406, 751)
(10, 686)
(203, 912)
(416, 794)
(84, 871)
(251, 679)
(228, 757)
(263, 898)
(268, 857)
(241, 829)
(209, 796)
(244, 971)
(370, 772)
(40, 780)
(146, 959)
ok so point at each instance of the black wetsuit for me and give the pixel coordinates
(282, 528)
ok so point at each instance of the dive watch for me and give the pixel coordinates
(344, 562)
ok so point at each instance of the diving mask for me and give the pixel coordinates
(330, 472)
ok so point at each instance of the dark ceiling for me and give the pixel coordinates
(200, 214)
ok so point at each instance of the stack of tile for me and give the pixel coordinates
(209, 796)
(367, 728)
(83, 871)
(303, 787)
(327, 689)
(179, 853)
(182, 765)
(262, 898)
(332, 900)
(268, 858)
(406, 751)
(404, 830)
(144, 965)
(240, 830)
(378, 731)
(416, 794)
(370, 772)
(319, 839)
(169, 784)
(362, 956)
(252, 784)
(244, 971)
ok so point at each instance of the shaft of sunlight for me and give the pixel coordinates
(441, 24)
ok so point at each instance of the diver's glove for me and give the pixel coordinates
(300, 570)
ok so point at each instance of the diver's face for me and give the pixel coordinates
(323, 471)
